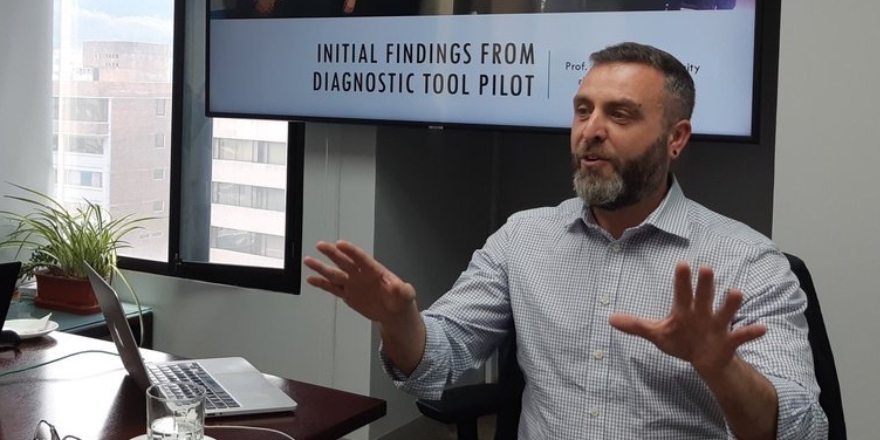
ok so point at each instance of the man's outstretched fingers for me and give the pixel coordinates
(339, 258)
(731, 305)
(632, 325)
(363, 261)
(325, 285)
(683, 291)
(748, 333)
(705, 293)
(332, 274)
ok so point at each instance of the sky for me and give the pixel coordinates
(148, 21)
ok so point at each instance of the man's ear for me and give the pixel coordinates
(678, 137)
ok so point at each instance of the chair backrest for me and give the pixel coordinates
(823, 358)
(512, 381)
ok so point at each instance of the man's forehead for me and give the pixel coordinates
(634, 82)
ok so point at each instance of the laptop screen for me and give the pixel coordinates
(8, 277)
(120, 331)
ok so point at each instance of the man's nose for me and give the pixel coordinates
(594, 129)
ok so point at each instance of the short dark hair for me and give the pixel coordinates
(679, 83)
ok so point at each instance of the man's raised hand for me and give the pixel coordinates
(692, 330)
(361, 281)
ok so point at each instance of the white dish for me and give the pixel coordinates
(25, 328)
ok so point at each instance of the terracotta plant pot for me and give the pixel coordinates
(73, 295)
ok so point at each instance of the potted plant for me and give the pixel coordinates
(59, 241)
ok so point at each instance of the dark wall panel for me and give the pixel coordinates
(433, 201)
(733, 179)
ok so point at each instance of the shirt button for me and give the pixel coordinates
(598, 354)
(605, 300)
(594, 412)
(615, 248)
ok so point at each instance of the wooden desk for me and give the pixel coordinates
(90, 396)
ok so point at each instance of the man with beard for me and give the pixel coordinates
(616, 336)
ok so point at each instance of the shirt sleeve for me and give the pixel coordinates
(464, 326)
(427, 381)
(773, 298)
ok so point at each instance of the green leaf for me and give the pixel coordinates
(60, 240)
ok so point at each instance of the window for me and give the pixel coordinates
(84, 178)
(227, 193)
(78, 109)
(257, 197)
(250, 212)
(271, 152)
(112, 64)
(247, 242)
(248, 150)
(85, 144)
(79, 143)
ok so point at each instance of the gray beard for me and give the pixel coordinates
(596, 191)
(631, 182)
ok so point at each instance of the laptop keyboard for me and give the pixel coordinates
(215, 397)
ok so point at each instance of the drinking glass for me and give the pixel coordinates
(176, 411)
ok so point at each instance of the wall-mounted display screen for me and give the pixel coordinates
(507, 63)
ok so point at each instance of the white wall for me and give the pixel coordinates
(826, 208)
(25, 99)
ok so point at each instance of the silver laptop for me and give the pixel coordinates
(8, 277)
(234, 386)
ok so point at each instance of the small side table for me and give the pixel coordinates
(92, 326)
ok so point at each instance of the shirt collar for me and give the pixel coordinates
(670, 216)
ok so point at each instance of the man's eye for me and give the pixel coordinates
(582, 111)
(621, 116)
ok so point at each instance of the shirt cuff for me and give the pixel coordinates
(799, 416)
(428, 380)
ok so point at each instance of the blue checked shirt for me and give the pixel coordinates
(558, 276)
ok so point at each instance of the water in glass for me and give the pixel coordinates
(171, 428)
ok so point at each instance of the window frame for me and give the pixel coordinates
(287, 279)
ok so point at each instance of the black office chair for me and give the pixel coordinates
(463, 405)
(823, 358)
